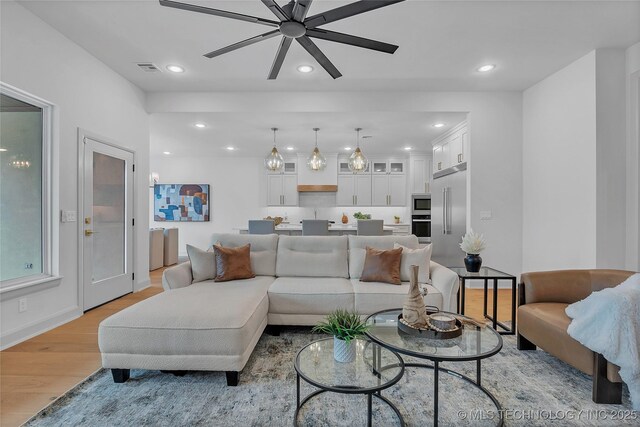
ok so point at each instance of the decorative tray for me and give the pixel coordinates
(431, 332)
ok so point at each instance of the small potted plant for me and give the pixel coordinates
(396, 219)
(473, 243)
(345, 327)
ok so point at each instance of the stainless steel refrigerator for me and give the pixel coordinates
(448, 215)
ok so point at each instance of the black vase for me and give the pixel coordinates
(473, 262)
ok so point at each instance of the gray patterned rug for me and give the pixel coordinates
(534, 388)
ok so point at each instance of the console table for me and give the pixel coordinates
(485, 274)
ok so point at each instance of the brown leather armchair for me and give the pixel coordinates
(543, 297)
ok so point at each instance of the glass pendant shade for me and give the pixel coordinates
(316, 161)
(274, 161)
(358, 162)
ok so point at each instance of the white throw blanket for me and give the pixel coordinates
(608, 322)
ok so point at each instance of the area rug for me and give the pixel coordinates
(534, 388)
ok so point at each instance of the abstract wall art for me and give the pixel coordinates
(181, 202)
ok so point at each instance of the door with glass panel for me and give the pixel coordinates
(107, 222)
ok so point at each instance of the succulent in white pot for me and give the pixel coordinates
(472, 244)
(345, 327)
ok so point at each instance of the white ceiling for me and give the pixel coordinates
(441, 43)
(250, 135)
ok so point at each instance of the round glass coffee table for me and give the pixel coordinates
(315, 364)
(475, 343)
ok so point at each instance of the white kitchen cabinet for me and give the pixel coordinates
(419, 174)
(290, 167)
(389, 190)
(451, 149)
(343, 166)
(282, 190)
(354, 190)
(388, 167)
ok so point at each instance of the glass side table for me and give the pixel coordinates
(485, 274)
(374, 369)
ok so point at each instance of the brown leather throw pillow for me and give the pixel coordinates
(233, 263)
(382, 266)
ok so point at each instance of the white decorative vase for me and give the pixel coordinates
(343, 352)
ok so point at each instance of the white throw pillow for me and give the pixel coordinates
(420, 257)
(203, 264)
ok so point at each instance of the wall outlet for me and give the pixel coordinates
(485, 215)
(22, 305)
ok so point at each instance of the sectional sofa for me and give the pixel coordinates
(214, 326)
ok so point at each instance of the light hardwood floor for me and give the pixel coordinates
(37, 371)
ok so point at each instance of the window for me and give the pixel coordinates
(26, 223)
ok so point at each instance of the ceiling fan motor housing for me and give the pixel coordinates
(292, 29)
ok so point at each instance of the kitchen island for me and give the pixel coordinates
(334, 229)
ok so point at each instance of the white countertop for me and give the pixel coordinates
(334, 227)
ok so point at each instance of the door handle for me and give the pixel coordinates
(89, 232)
(444, 210)
(356, 199)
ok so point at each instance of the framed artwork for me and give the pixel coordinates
(181, 202)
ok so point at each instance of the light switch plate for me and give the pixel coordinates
(68, 216)
(485, 215)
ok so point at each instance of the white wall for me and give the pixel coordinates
(559, 169)
(632, 77)
(495, 123)
(235, 193)
(573, 166)
(87, 94)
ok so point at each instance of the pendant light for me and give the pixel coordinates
(358, 161)
(274, 161)
(316, 161)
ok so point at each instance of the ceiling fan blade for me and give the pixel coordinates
(300, 10)
(346, 11)
(217, 12)
(243, 43)
(276, 9)
(288, 8)
(279, 59)
(311, 47)
(333, 36)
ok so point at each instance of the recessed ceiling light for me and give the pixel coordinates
(305, 68)
(3, 149)
(438, 125)
(347, 148)
(175, 68)
(230, 148)
(166, 153)
(200, 125)
(486, 68)
(407, 148)
(290, 148)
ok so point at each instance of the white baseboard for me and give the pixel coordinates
(30, 330)
(142, 285)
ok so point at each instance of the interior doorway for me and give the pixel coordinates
(106, 221)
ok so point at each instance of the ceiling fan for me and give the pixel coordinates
(293, 24)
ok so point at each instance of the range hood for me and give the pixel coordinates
(318, 188)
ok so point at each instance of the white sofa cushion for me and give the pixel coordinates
(312, 256)
(263, 250)
(358, 246)
(375, 296)
(310, 295)
(420, 257)
(202, 319)
(203, 264)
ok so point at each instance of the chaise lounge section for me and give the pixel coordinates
(214, 326)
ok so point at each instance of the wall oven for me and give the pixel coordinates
(421, 227)
(421, 204)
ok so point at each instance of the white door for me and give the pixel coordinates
(107, 219)
(397, 190)
(455, 146)
(345, 194)
(290, 190)
(380, 190)
(274, 190)
(363, 190)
